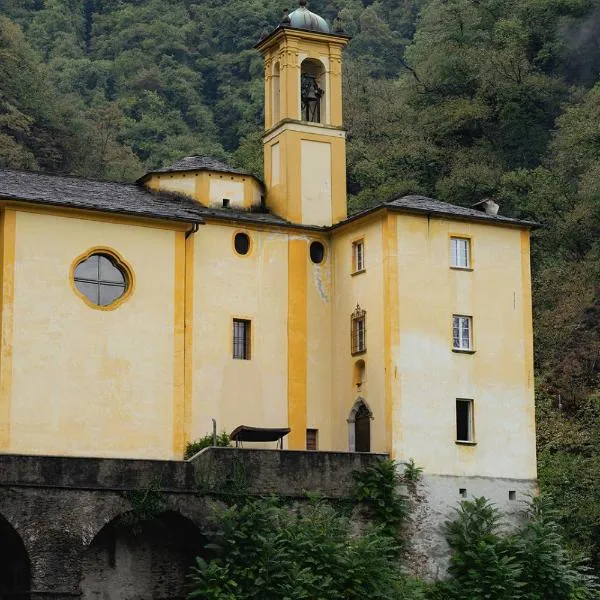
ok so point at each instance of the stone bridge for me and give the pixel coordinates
(72, 528)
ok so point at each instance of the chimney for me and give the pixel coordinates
(488, 206)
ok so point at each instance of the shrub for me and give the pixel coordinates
(376, 488)
(530, 564)
(265, 550)
(206, 442)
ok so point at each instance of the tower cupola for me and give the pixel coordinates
(302, 18)
(304, 142)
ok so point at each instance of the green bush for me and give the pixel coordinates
(529, 564)
(376, 488)
(263, 550)
(206, 442)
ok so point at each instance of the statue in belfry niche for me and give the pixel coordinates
(311, 95)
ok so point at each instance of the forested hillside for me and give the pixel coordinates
(457, 99)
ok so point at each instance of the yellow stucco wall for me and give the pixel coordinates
(304, 163)
(226, 286)
(319, 306)
(308, 189)
(84, 381)
(284, 53)
(430, 377)
(367, 290)
(210, 187)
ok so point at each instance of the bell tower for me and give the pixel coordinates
(304, 141)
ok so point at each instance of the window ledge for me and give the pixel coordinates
(463, 351)
(461, 268)
(358, 272)
(357, 352)
(465, 443)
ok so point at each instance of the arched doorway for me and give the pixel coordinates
(359, 427)
(15, 571)
(149, 564)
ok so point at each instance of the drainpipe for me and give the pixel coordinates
(192, 230)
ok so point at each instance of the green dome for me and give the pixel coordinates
(302, 18)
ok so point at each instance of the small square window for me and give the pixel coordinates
(358, 333)
(312, 439)
(512, 495)
(464, 420)
(462, 332)
(462, 492)
(460, 253)
(241, 339)
(358, 256)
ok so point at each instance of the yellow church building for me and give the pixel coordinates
(134, 314)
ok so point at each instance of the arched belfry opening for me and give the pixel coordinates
(148, 560)
(312, 91)
(15, 570)
(276, 90)
(359, 427)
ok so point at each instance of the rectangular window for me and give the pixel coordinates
(359, 332)
(462, 334)
(312, 439)
(460, 252)
(241, 339)
(464, 421)
(358, 256)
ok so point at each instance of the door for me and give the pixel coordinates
(362, 429)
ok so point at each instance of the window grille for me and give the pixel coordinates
(100, 279)
(241, 339)
(460, 252)
(312, 439)
(358, 330)
(462, 335)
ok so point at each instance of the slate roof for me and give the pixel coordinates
(120, 198)
(105, 196)
(421, 204)
(199, 163)
(134, 199)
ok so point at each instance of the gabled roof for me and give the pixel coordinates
(198, 163)
(421, 204)
(105, 196)
(120, 198)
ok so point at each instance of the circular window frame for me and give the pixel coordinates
(121, 264)
(250, 243)
(325, 253)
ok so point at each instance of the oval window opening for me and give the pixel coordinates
(317, 252)
(101, 279)
(241, 243)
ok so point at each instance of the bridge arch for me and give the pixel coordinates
(148, 560)
(15, 568)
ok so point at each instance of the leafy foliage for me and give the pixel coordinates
(206, 442)
(376, 489)
(530, 564)
(412, 472)
(146, 505)
(264, 550)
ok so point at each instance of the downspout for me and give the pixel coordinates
(187, 333)
(192, 230)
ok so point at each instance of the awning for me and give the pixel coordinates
(245, 433)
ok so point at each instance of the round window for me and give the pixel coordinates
(317, 252)
(101, 279)
(241, 243)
